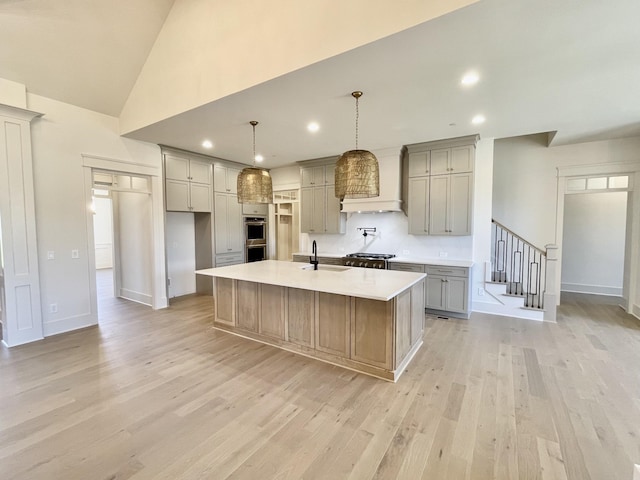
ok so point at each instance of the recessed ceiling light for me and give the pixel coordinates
(259, 158)
(207, 144)
(478, 119)
(470, 78)
(313, 127)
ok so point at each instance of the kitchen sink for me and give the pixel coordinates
(328, 268)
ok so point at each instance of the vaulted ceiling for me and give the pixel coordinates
(544, 66)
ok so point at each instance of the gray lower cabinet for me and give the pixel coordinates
(446, 289)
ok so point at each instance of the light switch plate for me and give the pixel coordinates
(75, 254)
(444, 254)
(51, 255)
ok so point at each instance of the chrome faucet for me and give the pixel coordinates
(314, 250)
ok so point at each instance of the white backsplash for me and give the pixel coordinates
(390, 237)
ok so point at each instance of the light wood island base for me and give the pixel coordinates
(374, 337)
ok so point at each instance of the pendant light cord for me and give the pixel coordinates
(253, 124)
(357, 117)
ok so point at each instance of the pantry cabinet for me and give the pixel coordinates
(228, 230)
(225, 179)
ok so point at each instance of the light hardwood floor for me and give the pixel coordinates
(161, 395)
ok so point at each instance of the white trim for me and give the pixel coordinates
(117, 165)
(633, 170)
(139, 297)
(591, 289)
(70, 323)
(19, 113)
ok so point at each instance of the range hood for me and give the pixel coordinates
(389, 199)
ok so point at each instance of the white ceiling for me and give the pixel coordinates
(569, 66)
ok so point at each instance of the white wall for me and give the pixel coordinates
(594, 243)
(525, 179)
(59, 139)
(525, 188)
(181, 253)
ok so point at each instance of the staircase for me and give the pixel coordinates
(521, 278)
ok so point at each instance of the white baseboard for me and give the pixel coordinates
(635, 311)
(70, 323)
(134, 296)
(591, 289)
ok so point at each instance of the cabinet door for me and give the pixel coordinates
(419, 164)
(200, 197)
(333, 217)
(306, 210)
(462, 159)
(434, 294)
(438, 205)
(456, 294)
(272, 310)
(459, 208)
(225, 301)
(177, 195)
(247, 300)
(332, 324)
(220, 178)
(235, 225)
(176, 168)
(440, 161)
(318, 218)
(306, 177)
(221, 215)
(200, 172)
(372, 331)
(419, 206)
(330, 174)
(300, 316)
(255, 209)
(232, 180)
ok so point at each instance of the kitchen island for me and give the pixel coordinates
(366, 320)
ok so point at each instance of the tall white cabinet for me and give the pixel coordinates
(187, 184)
(438, 186)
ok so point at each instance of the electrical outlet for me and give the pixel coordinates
(444, 254)
(51, 255)
(480, 292)
(75, 254)
(53, 308)
(405, 252)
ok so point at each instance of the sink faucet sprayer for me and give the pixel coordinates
(314, 250)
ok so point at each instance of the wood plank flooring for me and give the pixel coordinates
(161, 395)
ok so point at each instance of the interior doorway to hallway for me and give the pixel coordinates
(122, 232)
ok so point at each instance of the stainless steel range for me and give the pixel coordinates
(367, 260)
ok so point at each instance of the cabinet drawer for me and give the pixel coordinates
(232, 259)
(449, 271)
(406, 267)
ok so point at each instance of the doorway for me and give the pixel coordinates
(594, 236)
(122, 233)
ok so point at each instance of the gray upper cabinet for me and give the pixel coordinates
(225, 179)
(438, 184)
(320, 210)
(187, 184)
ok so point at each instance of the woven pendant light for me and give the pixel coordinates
(254, 184)
(357, 172)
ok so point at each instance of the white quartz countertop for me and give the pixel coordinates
(353, 282)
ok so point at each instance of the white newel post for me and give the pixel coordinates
(19, 278)
(550, 297)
